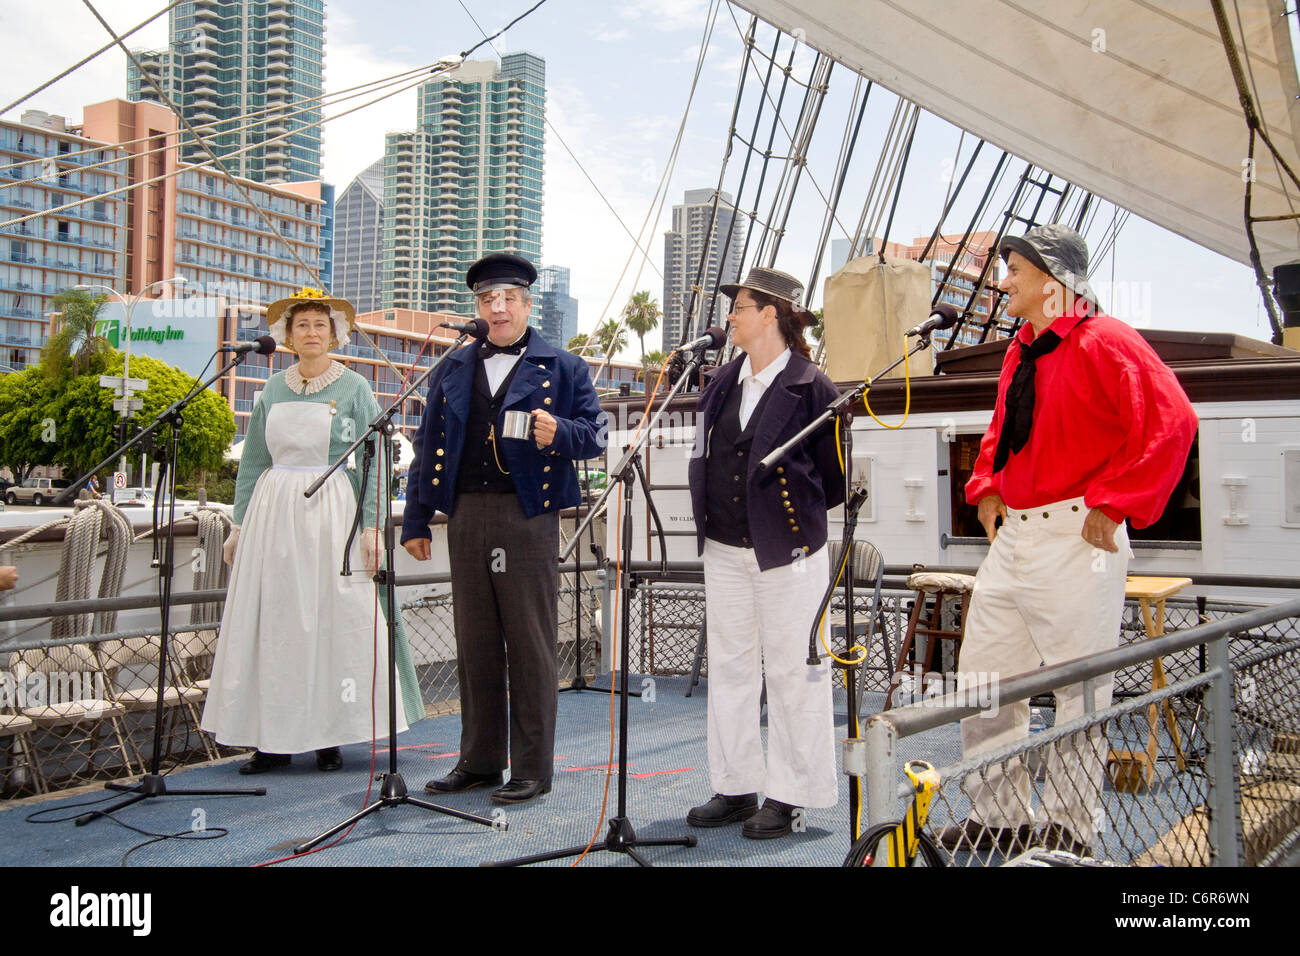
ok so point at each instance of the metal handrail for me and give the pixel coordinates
(917, 718)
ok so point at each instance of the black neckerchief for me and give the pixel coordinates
(1018, 407)
(489, 349)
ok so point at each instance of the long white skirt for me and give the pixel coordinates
(300, 646)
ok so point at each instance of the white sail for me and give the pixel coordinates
(1131, 99)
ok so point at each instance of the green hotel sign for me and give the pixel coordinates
(111, 329)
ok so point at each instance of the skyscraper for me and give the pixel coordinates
(236, 63)
(555, 312)
(358, 235)
(688, 242)
(467, 181)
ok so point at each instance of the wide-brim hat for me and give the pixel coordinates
(341, 311)
(773, 282)
(1058, 251)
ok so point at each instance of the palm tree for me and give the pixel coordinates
(579, 342)
(611, 338)
(651, 363)
(641, 315)
(75, 344)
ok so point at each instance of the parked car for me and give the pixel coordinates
(35, 491)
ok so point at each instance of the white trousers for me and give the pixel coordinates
(758, 624)
(1042, 595)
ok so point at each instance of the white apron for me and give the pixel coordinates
(298, 643)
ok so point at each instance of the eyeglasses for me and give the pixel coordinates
(747, 305)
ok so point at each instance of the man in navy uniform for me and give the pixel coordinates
(502, 497)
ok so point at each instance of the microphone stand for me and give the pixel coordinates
(621, 837)
(153, 783)
(392, 791)
(842, 410)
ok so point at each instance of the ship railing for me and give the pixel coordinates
(1202, 772)
(109, 673)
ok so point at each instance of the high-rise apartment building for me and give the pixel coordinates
(555, 312)
(250, 73)
(467, 181)
(44, 165)
(695, 237)
(358, 239)
(250, 242)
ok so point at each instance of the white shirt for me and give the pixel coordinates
(753, 385)
(498, 367)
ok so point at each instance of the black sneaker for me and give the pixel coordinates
(722, 809)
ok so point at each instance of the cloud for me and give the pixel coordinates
(668, 14)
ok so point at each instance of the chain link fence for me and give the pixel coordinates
(1147, 781)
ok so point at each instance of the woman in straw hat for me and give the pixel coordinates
(763, 537)
(298, 652)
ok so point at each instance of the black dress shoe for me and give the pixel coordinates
(461, 779)
(774, 819)
(723, 809)
(520, 791)
(329, 758)
(1055, 836)
(974, 836)
(262, 762)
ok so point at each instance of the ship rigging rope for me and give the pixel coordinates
(268, 115)
(82, 62)
(637, 242)
(690, 325)
(657, 201)
(200, 140)
(187, 167)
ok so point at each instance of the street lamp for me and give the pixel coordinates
(128, 307)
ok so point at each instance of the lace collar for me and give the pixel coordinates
(300, 386)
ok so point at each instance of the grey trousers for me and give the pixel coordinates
(505, 589)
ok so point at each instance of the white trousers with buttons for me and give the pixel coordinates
(758, 624)
(1042, 596)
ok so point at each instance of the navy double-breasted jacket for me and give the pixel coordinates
(544, 479)
(788, 503)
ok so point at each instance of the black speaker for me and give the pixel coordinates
(1286, 290)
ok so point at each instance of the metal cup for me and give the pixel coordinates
(517, 425)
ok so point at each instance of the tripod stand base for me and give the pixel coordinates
(155, 785)
(392, 793)
(621, 838)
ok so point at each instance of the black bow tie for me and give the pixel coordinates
(489, 349)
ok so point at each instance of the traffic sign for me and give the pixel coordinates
(127, 405)
(115, 382)
(119, 479)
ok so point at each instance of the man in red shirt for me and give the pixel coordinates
(1090, 429)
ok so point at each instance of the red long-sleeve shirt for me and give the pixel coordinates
(1111, 425)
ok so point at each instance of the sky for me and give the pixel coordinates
(618, 80)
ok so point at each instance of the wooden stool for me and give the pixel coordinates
(942, 586)
(1132, 771)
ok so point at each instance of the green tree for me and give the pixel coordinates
(610, 337)
(579, 341)
(88, 425)
(641, 315)
(651, 363)
(28, 437)
(76, 347)
(819, 327)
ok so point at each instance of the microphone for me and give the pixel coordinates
(944, 316)
(712, 338)
(475, 327)
(262, 345)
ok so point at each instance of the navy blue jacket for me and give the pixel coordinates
(810, 477)
(545, 480)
